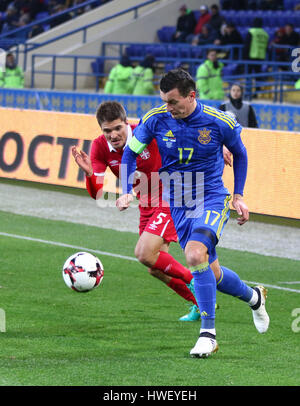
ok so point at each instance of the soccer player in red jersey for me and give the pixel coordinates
(156, 226)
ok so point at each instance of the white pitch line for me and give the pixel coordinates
(60, 244)
(273, 286)
(291, 283)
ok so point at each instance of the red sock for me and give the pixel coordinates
(168, 265)
(181, 289)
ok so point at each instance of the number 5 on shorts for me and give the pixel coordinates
(159, 217)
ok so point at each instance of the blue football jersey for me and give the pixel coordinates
(193, 144)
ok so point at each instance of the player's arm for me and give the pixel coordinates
(128, 167)
(235, 145)
(94, 183)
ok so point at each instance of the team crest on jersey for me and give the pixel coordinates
(204, 137)
(145, 154)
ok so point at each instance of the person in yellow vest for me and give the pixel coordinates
(297, 84)
(143, 75)
(256, 44)
(12, 76)
(208, 78)
(119, 78)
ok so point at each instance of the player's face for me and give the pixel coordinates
(179, 106)
(115, 132)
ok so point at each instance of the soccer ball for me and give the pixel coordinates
(82, 272)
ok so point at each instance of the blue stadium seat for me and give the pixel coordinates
(230, 69)
(165, 33)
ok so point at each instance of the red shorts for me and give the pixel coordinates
(158, 221)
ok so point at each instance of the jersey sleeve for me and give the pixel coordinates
(97, 157)
(143, 134)
(231, 132)
(94, 184)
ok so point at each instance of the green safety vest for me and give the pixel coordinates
(12, 78)
(259, 43)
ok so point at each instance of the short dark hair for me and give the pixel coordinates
(178, 79)
(110, 111)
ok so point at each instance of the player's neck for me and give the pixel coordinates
(192, 109)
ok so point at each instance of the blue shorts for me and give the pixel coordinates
(207, 228)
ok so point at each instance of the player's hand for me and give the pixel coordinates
(227, 156)
(83, 161)
(124, 201)
(241, 208)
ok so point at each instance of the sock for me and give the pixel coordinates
(205, 292)
(231, 284)
(168, 265)
(181, 289)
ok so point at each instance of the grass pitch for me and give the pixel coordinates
(126, 332)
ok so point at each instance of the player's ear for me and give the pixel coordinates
(192, 95)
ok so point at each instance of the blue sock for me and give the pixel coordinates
(231, 284)
(205, 292)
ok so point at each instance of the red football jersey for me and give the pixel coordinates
(147, 184)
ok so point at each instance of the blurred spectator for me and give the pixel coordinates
(185, 24)
(208, 78)
(256, 44)
(290, 36)
(216, 20)
(231, 36)
(242, 111)
(208, 36)
(61, 18)
(36, 30)
(278, 40)
(10, 19)
(271, 5)
(35, 6)
(119, 79)
(11, 76)
(142, 82)
(203, 19)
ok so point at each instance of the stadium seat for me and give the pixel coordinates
(230, 69)
(165, 33)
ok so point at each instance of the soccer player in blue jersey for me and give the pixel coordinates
(190, 138)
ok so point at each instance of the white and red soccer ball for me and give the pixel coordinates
(83, 272)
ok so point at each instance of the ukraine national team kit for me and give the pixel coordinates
(191, 150)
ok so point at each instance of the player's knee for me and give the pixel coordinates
(196, 256)
(143, 255)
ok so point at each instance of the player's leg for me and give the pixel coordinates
(230, 283)
(196, 253)
(147, 251)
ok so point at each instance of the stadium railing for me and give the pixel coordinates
(275, 81)
(20, 35)
(24, 46)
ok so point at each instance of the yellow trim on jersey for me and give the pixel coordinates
(156, 110)
(221, 277)
(224, 212)
(226, 120)
(224, 115)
